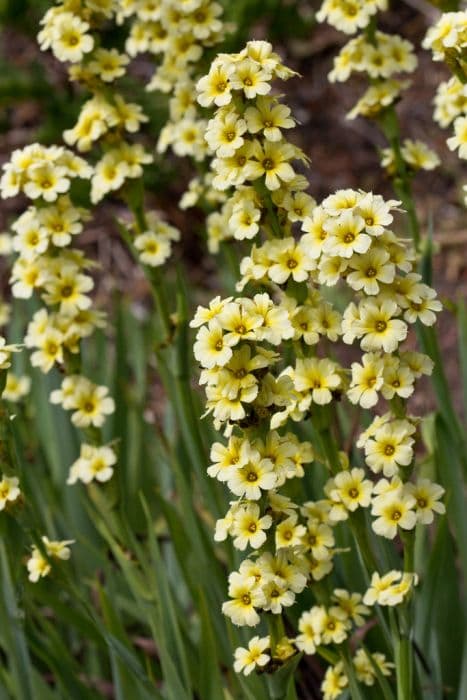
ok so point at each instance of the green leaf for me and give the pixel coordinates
(430, 345)
(72, 615)
(48, 644)
(168, 634)
(127, 659)
(127, 674)
(462, 333)
(449, 471)
(281, 683)
(16, 645)
(210, 680)
(439, 617)
(462, 693)
(51, 422)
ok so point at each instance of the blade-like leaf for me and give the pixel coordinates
(17, 649)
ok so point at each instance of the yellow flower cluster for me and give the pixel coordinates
(383, 58)
(389, 589)
(233, 137)
(11, 388)
(450, 101)
(265, 361)
(447, 39)
(349, 15)
(179, 33)
(9, 491)
(89, 401)
(42, 173)
(5, 353)
(449, 34)
(380, 56)
(154, 245)
(107, 119)
(16, 387)
(246, 140)
(67, 33)
(247, 660)
(416, 154)
(39, 563)
(336, 681)
(106, 116)
(47, 266)
(93, 463)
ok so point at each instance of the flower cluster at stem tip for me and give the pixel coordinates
(447, 40)
(46, 262)
(383, 58)
(267, 362)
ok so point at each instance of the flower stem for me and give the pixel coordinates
(451, 58)
(354, 686)
(276, 631)
(359, 531)
(368, 561)
(161, 301)
(153, 275)
(8, 464)
(265, 195)
(402, 184)
(330, 450)
(403, 658)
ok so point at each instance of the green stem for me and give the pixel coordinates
(8, 461)
(134, 197)
(370, 31)
(368, 561)
(176, 384)
(190, 422)
(451, 58)
(354, 686)
(405, 613)
(230, 257)
(276, 631)
(330, 450)
(161, 301)
(408, 539)
(327, 654)
(153, 275)
(265, 195)
(403, 658)
(401, 626)
(402, 183)
(321, 423)
(173, 358)
(357, 523)
(360, 533)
